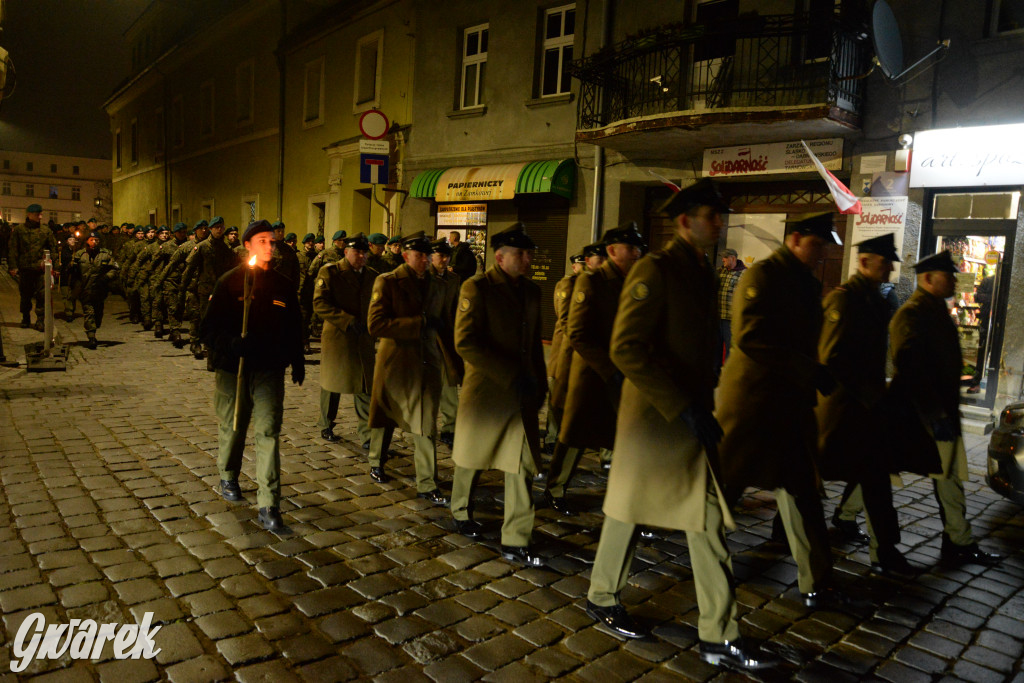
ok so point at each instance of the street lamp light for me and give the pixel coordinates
(97, 202)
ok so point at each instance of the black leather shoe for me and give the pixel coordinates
(26, 323)
(230, 490)
(447, 438)
(158, 332)
(968, 554)
(648, 534)
(379, 475)
(606, 466)
(366, 445)
(270, 519)
(894, 565)
(329, 435)
(91, 344)
(831, 599)
(469, 528)
(521, 555)
(849, 530)
(435, 497)
(616, 620)
(738, 654)
(559, 505)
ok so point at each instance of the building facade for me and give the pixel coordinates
(68, 188)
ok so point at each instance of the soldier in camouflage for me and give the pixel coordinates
(158, 265)
(129, 253)
(208, 261)
(25, 262)
(169, 282)
(94, 267)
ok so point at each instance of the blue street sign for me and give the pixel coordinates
(373, 169)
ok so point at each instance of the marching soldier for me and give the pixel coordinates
(25, 262)
(408, 312)
(852, 419)
(69, 286)
(210, 259)
(285, 260)
(592, 400)
(162, 305)
(137, 276)
(560, 354)
(440, 254)
(925, 391)
(95, 268)
(497, 334)
(342, 300)
(330, 255)
(130, 253)
(393, 253)
(188, 294)
(375, 260)
(665, 472)
(305, 257)
(169, 282)
(768, 392)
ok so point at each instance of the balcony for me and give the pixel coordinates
(676, 90)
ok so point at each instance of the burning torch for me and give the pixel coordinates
(247, 283)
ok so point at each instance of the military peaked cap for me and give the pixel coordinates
(818, 224)
(441, 246)
(595, 249)
(513, 236)
(416, 242)
(883, 245)
(357, 241)
(627, 233)
(942, 261)
(704, 192)
(577, 258)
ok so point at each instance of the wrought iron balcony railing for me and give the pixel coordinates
(777, 61)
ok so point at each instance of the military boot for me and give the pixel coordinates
(92, 342)
(197, 349)
(26, 321)
(176, 339)
(159, 331)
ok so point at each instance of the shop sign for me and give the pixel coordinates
(478, 183)
(963, 157)
(880, 215)
(773, 157)
(462, 214)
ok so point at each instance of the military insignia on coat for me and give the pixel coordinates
(580, 296)
(640, 291)
(562, 295)
(375, 296)
(464, 305)
(833, 315)
(320, 282)
(750, 294)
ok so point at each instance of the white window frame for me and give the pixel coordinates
(316, 68)
(177, 121)
(479, 58)
(558, 43)
(117, 149)
(133, 142)
(245, 75)
(373, 102)
(206, 88)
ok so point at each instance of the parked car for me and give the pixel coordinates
(1006, 454)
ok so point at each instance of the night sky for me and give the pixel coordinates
(69, 55)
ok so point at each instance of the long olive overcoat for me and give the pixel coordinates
(453, 366)
(497, 333)
(767, 393)
(927, 363)
(407, 373)
(560, 353)
(341, 297)
(590, 407)
(664, 341)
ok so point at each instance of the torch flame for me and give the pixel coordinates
(252, 261)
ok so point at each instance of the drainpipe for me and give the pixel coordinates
(595, 226)
(282, 83)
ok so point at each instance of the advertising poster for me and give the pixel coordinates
(880, 215)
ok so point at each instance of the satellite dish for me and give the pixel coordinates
(888, 43)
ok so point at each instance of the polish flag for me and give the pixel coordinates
(665, 181)
(844, 199)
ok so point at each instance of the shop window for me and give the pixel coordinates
(76, 193)
(559, 27)
(1007, 16)
(977, 206)
(206, 110)
(313, 107)
(133, 141)
(244, 89)
(369, 53)
(177, 122)
(474, 66)
(30, 190)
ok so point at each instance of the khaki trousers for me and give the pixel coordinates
(519, 512)
(424, 455)
(448, 408)
(804, 521)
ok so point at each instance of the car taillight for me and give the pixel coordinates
(1012, 417)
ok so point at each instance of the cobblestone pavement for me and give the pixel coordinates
(108, 512)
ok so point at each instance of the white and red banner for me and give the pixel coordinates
(878, 216)
(773, 157)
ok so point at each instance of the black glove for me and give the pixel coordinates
(526, 385)
(823, 380)
(614, 387)
(704, 426)
(298, 372)
(357, 327)
(942, 429)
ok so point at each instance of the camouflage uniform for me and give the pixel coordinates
(142, 272)
(95, 270)
(170, 283)
(210, 259)
(157, 266)
(28, 242)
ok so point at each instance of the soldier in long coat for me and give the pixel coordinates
(408, 312)
(497, 333)
(768, 392)
(665, 470)
(925, 392)
(852, 420)
(594, 382)
(341, 297)
(440, 254)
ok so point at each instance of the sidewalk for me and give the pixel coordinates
(108, 512)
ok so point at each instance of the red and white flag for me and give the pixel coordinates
(665, 181)
(845, 200)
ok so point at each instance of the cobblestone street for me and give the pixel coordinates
(108, 511)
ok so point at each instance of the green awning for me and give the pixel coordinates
(482, 183)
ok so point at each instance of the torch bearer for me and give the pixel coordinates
(247, 281)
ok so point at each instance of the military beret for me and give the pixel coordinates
(163, 227)
(441, 246)
(818, 224)
(94, 233)
(730, 252)
(290, 236)
(80, 223)
(277, 225)
(339, 235)
(191, 231)
(92, 220)
(378, 238)
(255, 228)
(215, 220)
(883, 245)
(34, 208)
(319, 240)
(416, 242)
(308, 238)
(395, 240)
(180, 226)
(942, 261)
(150, 227)
(704, 192)
(234, 228)
(200, 224)
(138, 228)
(357, 241)
(512, 236)
(577, 258)
(595, 249)
(627, 233)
